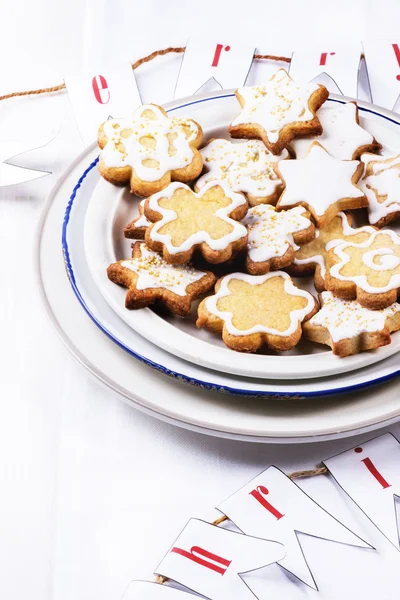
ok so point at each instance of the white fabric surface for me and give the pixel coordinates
(93, 492)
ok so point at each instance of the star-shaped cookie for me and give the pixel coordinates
(274, 237)
(349, 328)
(311, 258)
(342, 136)
(381, 185)
(369, 271)
(150, 279)
(246, 167)
(278, 111)
(322, 184)
(184, 221)
(252, 312)
(136, 229)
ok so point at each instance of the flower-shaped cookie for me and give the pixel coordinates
(136, 229)
(342, 136)
(274, 237)
(278, 111)
(311, 258)
(381, 185)
(150, 279)
(246, 167)
(369, 271)
(184, 221)
(321, 183)
(349, 328)
(149, 150)
(252, 312)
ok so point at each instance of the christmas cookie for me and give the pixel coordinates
(369, 271)
(311, 258)
(150, 279)
(342, 136)
(381, 185)
(274, 237)
(136, 229)
(322, 184)
(184, 221)
(252, 312)
(349, 328)
(149, 150)
(245, 166)
(278, 111)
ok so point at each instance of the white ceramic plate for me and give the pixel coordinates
(110, 208)
(224, 415)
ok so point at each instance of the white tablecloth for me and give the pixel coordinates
(92, 492)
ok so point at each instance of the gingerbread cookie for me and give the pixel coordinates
(278, 111)
(311, 258)
(136, 229)
(149, 150)
(252, 312)
(349, 328)
(381, 185)
(369, 271)
(342, 136)
(246, 167)
(150, 279)
(184, 221)
(322, 184)
(274, 237)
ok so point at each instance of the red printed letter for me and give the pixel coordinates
(397, 54)
(217, 54)
(373, 470)
(100, 89)
(259, 494)
(324, 56)
(196, 553)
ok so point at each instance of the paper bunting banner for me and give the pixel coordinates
(215, 65)
(273, 506)
(209, 560)
(10, 149)
(382, 58)
(99, 93)
(339, 62)
(370, 475)
(144, 590)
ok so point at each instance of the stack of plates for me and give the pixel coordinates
(90, 214)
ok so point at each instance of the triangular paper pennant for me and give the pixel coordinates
(10, 149)
(273, 506)
(370, 474)
(145, 590)
(209, 560)
(382, 58)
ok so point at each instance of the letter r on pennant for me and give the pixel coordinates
(259, 494)
(204, 558)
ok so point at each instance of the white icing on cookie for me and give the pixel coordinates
(270, 232)
(346, 319)
(245, 166)
(385, 182)
(341, 135)
(296, 316)
(142, 221)
(126, 138)
(238, 230)
(380, 259)
(154, 272)
(278, 103)
(319, 180)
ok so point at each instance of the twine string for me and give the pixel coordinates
(296, 475)
(141, 61)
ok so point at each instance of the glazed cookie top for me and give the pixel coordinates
(346, 319)
(337, 231)
(342, 136)
(373, 265)
(245, 166)
(381, 185)
(260, 304)
(189, 218)
(154, 272)
(150, 142)
(271, 232)
(278, 103)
